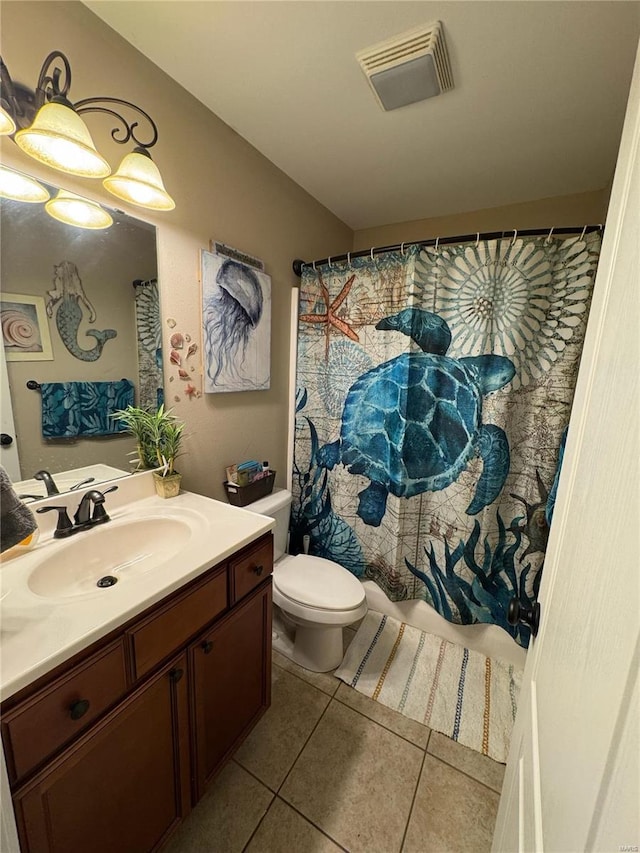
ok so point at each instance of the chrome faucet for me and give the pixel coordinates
(47, 479)
(83, 519)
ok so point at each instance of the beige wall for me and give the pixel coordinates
(223, 188)
(580, 209)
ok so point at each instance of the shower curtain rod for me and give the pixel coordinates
(298, 263)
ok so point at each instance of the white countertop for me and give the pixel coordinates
(37, 633)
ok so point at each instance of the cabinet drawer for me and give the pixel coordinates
(160, 635)
(37, 727)
(251, 569)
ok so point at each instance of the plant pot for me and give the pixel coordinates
(167, 487)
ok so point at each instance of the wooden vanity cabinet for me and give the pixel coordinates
(122, 787)
(54, 716)
(180, 687)
(231, 683)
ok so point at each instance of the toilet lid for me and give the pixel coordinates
(316, 582)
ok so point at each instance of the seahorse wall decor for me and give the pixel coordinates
(68, 291)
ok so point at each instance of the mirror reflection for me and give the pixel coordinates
(81, 337)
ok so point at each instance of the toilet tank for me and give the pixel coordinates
(277, 505)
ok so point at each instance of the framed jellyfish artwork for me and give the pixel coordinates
(236, 325)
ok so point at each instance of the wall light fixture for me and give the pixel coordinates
(18, 187)
(50, 128)
(7, 124)
(72, 209)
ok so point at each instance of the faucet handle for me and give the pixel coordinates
(81, 483)
(99, 512)
(64, 526)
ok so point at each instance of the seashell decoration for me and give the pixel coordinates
(187, 338)
(175, 358)
(171, 323)
(190, 390)
(177, 340)
(183, 374)
(19, 330)
(176, 399)
(192, 349)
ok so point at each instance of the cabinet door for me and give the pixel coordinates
(124, 786)
(231, 666)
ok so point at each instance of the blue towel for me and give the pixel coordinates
(71, 409)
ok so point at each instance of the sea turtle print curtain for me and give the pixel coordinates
(434, 388)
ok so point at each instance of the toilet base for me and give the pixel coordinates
(317, 649)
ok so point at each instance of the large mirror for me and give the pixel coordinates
(78, 306)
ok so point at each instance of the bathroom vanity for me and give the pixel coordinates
(110, 746)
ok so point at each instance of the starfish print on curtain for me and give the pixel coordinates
(329, 317)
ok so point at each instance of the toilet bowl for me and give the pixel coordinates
(314, 598)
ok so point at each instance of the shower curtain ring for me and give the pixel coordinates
(329, 262)
(349, 259)
(437, 241)
(583, 230)
(372, 248)
(515, 235)
(477, 239)
(314, 266)
(548, 240)
(402, 249)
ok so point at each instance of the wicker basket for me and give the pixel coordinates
(245, 495)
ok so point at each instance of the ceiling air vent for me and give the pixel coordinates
(408, 68)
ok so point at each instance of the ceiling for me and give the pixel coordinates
(536, 111)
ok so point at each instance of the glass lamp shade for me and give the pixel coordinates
(72, 209)
(7, 124)
(59, 138)
(138, 181)
(18, 187)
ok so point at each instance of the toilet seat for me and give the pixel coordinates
(317, 584)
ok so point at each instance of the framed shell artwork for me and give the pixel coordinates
(25, 329)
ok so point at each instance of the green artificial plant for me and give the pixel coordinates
(159, 437)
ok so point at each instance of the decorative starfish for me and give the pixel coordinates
(329, 317)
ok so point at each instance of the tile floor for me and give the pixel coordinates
(328, 769)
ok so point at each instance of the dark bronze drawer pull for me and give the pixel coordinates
(176, 674)
(79, 709)
(206, 646)
(258, 570)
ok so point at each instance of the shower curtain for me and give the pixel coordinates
(149, 337)
(434, 387)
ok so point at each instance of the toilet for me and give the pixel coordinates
(314, 598)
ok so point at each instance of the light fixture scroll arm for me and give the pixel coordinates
(48, 85)
(7, 90)
(127, 131)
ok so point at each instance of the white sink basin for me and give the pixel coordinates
(115, 550)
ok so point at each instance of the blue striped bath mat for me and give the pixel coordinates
(463, 694)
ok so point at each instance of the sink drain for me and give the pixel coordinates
(107, 580)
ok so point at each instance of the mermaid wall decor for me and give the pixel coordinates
(68, 295)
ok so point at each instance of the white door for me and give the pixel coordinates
(8, 452)
(572, 779)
